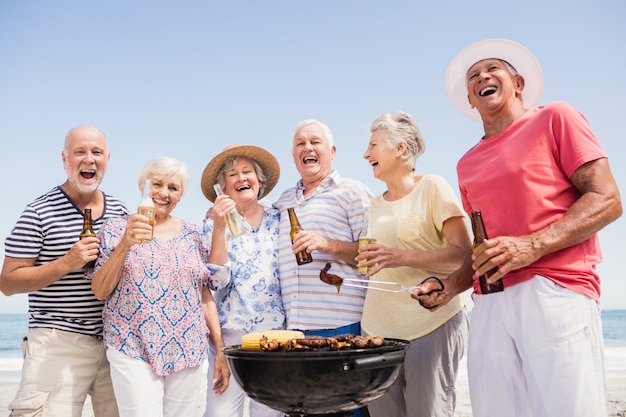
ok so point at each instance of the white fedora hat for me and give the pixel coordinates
(514, 53)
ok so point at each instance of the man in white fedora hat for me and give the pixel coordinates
(544, 187)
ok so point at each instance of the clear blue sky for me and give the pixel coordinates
(187, 78)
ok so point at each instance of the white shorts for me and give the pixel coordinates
(141, 393)
(536, 349)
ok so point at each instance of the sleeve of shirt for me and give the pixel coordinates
(360, 202)
(575, 140)
(444, 203)
(26, 238)
(220, 274)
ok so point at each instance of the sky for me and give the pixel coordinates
(188, 78)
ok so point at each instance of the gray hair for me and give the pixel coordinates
(510, 67)
(325, 129)
(230, 164)
(166, 165)
(400, 127)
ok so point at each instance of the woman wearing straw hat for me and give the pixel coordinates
(249, 299)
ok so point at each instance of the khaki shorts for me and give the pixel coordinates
(60, 369)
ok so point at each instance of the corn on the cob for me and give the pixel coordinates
(250, 341)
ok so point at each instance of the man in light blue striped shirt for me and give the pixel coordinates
(331, 210)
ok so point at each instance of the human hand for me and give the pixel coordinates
(431, 293)
(221, 373)
(309, 241)
(209, 214)
(222, 206)
(136, 225)
(378, 257)
(507, 253)
(83, 252)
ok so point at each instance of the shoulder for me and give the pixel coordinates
(350, 184)
(115, 222)
(271, 210)
(51, 198)
(192, 227)
(286, 199)
(113, 206)
(433, 179)
(557, 109)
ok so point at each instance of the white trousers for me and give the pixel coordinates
(536, 350)
(141, 393)
(232, 401)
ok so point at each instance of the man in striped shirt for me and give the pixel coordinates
(331, 210)
(64, 355)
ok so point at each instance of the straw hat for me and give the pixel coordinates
(514, 53)
(266, 161)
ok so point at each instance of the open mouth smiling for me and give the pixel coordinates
(87, 174)
(487, 91)
(243, 187)
(309, 160)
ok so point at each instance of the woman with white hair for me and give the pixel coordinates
(155, 329)
(421, 236)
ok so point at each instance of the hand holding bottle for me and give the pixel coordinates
(302, 257)
(88, 232)
(233, 218)
(480, 235)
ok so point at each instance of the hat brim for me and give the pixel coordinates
(512, 52)
(267, 162)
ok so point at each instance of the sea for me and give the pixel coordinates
(14, 326)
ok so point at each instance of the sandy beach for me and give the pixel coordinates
(615, 363)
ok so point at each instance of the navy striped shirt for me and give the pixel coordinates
(46, 230)
(336, 210)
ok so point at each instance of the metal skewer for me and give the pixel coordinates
(364, 283)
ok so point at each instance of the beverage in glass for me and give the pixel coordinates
(361, 268)
(146, 207)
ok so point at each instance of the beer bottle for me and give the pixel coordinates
(302, 257)
(88, 232)
(480, 235)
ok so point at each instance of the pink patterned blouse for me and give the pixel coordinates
(155, 314)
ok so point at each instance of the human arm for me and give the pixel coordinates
(310, 241)
(598, 205)
(20, 275)
(105, 279)
(221, 373)
(219, 246)
(442, 260)
(459, 281)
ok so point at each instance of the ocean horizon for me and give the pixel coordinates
(15, 326)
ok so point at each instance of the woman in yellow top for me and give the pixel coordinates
(420, 232)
